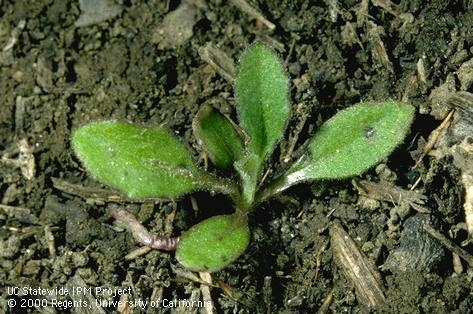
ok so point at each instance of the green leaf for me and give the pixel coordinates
(213, 243)
(262, 87)
(139, 161)
(348, 144)
(356, 139)
(218, 137)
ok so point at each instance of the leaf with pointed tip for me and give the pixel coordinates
(139, 161)
(218, 137)
(262, 87)
(355, 139)
(213, 243)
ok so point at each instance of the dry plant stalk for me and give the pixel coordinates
(434, 136)
(205, 289)
(25, 160)
(253, 13)
(357, 269)
(219, 61)
(468, 205)
(326, 304)
(449, 244)
(462, 151)
(390, 193)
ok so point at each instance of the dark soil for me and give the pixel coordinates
(140, 61)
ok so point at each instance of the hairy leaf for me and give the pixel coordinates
(356, 139)
(261, 88)
(218, 137)
(139, 161)
(213, 243)
(248, 168)
(348, 144)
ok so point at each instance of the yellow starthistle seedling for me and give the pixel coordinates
(151, 162)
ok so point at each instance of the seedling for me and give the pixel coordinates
(151, 162)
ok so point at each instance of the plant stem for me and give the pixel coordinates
(140, 233)
(221, 185)
(292, 177)
(272, 189)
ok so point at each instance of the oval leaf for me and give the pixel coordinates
(261, 87)
(213, 243)
(355, 139)
(218, 137)
(142, 162)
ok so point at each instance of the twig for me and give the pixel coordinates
(379, 52)
(386, 192)
(25, 160)
(265, 176)
(219, 61)
(327, 301)
(468, 205)
(192, 277)
(434, 136)
(357, 269)
(318, 260)
(22, 214)
(267, 293)
(449, 244)
(15, 34)
(50, 241)
(413, 187)
(303, 114)
(248, 9)
(205, 289)
(289, 54)
(137, 253)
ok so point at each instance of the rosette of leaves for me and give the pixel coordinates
(151, 162)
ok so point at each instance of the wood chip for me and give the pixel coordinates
(462, 101)
(219, 61)
(357, 269)
(390, 193)
(378, 49)
(252, 12)
(22, 214)
(25, 160)
(137, 253)
(49, 236)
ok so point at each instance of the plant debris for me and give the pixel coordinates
(97, 11)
